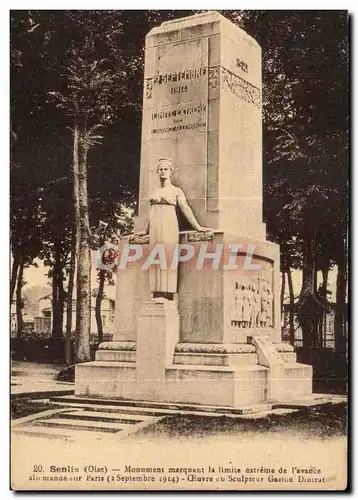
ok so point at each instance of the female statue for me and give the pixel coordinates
(163, 228)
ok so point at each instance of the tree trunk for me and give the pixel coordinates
(309, 307)
(77, 220)
(101, 276)
(69, 308)
(14, 271)
(58, 294)
(291, 312)
(283, 286)
(61, 302)
(19, 320)
(325, 274)
(59, 298)
(309, 264)
(323, 294)
(341, 286)
(54, 303)
(292, 306)
(83, 325)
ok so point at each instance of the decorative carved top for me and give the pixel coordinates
(240, 88)
(195, 236)
(138, 239)
(129, 345)
(215, 348)
(219, 76)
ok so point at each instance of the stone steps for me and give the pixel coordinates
(46, 432)
(91, 418)
(95, 414)
(312, 401)
(147, 409)
(86, 420)
(142, 414)
(170, 412)
(157, 409)
(117, 413)
(112, 355)
(269, 413)
(77, 424)
(289, 357)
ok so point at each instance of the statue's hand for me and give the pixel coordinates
(202, 229)
(141, 233)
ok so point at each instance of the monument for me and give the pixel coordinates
(206, 334)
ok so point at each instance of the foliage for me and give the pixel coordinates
(35, 336)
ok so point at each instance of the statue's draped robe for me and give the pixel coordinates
(164, 232)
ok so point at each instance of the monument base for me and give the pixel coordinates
(158, 368)
(214, 386)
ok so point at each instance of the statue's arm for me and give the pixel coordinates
(188, 213)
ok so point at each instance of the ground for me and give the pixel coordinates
(315, 438)
(30, 377)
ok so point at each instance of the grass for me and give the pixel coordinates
(321, 423)
(23, 407)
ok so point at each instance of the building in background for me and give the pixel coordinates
(326, 328)
(42, 321)
(27, 318)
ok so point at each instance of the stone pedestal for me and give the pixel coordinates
(195, 349)
(201, 374)
(207, 297)
(158, 334)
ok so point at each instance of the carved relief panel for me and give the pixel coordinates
(252, 301)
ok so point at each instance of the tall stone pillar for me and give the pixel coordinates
(202, 108)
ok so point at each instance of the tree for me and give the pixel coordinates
(305, 102)
(19, 299)
(63, 47)
(33, 129)
(93, 88)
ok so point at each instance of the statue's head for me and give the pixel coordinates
(165, 168)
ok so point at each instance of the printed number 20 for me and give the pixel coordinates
(37, 468)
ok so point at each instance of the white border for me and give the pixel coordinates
(4, 184)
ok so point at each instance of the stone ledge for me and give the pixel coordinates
(129, 345)
(215, 348)
(283, 347)
(196, 236)
(136, 239)
(186, 347)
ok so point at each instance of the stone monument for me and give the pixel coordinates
(211, 335)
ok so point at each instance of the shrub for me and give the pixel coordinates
(34, 336)
(41, 346)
